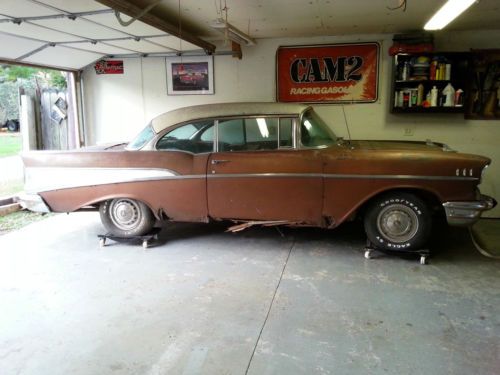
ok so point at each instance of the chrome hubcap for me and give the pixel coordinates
(397, 223)
(125, 213)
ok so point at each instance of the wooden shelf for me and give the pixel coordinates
(459, 63)
(428, 110)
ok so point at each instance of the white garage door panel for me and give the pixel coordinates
(80, 27)
(140, 46)
(136, 28)
(13, 47)
(59, 56)
(75, 6)
(173, 42)
(36, 32)
(24, 8)
(102, 48)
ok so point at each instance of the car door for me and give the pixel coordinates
(257, 173)
(184, 150)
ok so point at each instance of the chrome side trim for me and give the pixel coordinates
(468, 212)
(39, 179)
(343, 176)
(401, 177)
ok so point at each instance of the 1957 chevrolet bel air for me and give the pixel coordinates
(260, 162)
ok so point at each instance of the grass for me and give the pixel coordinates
(8, 188)
(10, 144)
(19, 219)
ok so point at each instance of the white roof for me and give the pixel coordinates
(205, 111)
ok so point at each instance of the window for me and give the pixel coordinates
(142, 138)
(248, 134)
(196, 137)
(314, 132)
(286, 132)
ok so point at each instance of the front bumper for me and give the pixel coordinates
(467, 213)
(33, 202)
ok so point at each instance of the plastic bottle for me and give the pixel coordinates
(420, 94)
(447, 72)
(434, 96)
(449, 93)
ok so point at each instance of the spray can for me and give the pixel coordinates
(459, 98)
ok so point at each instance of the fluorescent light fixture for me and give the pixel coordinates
(232, 32)
(448, 12)
(264, 131)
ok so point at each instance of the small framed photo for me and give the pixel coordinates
(190, 75)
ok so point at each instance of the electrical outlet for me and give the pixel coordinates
(408, 132)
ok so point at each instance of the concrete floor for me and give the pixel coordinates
(209, 302)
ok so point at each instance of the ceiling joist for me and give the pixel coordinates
(132, 10)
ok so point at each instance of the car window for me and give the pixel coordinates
(196, 137)
(314, 132)
(286, 132)
(142, 138)
(248, 134)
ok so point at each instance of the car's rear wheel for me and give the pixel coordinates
(398, 221)
(126, 217)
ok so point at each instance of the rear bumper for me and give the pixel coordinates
(33, 202)
(467, 213)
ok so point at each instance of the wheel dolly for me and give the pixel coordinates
(423, 253)
(146, 239)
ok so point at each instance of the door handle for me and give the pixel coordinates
(219, 161)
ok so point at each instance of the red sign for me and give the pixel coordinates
(327, 73)
(109, 67)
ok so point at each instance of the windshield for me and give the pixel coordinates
(314, 132)
(141, 139)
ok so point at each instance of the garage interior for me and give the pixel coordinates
(264, 300)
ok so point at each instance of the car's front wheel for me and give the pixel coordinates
(398, 221)
(125, 217)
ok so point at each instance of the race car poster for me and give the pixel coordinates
(190, 75)
(334, 73)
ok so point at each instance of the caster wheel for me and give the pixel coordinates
(368, 254)
(145, 244)
(102, 242)
(423, 260)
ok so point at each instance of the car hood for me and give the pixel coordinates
(398, 145)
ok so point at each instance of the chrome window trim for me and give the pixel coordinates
(160, 135)
(152, 145)
(216, 135)
(299, 138)
(294, 138)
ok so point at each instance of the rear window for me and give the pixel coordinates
(141, 139)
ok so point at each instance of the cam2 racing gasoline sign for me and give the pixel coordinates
(327, 73)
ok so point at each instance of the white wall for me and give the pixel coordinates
(118, 106)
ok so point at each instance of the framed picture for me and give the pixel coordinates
(191, 75)
(333, 73)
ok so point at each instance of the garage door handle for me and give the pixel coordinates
(215, 162)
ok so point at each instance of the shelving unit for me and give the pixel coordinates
(415, 73)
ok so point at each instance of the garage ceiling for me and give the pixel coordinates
(72, 34)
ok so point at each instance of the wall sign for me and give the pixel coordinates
(327, 73)
(109, 67)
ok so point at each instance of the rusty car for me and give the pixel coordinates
(270, 163)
